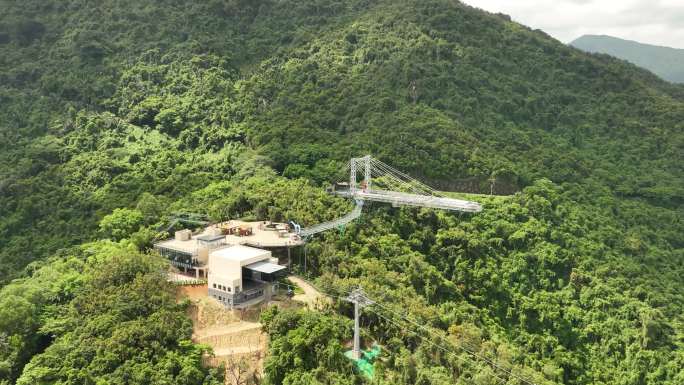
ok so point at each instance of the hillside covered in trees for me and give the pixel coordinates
(115, 114)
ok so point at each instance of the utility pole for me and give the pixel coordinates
(359, 299)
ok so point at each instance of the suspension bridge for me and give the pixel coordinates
(380, 182)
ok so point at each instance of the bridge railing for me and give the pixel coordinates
(354, 214)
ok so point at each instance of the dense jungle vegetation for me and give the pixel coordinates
(115, 114)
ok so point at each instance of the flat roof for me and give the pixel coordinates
(259, 238)
(189, 246)
(239, 253)
(209, 237)
(265, 267)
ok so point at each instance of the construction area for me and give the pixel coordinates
(235, 336)
(238, 344)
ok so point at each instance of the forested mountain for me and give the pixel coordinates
(130, 110)
(666, 62)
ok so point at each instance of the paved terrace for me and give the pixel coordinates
(264, 234)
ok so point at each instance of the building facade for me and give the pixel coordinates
(230, 256)
(240, 276)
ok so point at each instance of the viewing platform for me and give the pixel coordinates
(262, 234)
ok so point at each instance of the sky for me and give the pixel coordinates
(659, 22)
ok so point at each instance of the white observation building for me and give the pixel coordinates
(240, 276)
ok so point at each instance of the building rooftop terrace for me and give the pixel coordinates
(255, 234)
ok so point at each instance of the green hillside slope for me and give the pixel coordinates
(232, 107)
(666, 62)
(447, 94)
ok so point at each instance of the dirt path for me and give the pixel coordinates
(311, 297)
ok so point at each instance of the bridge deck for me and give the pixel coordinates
(405, 199)
(307, 232)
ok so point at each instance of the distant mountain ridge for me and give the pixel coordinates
(666, 62)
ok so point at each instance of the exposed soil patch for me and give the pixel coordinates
(238, 344)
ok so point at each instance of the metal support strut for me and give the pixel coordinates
(352, 176)
(367, 172)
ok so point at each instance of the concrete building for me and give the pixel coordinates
(241, 276)
(190, 253)
(238, 275)
(231, 256)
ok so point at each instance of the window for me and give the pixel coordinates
(224, 288)
(220, 298)
(214, 286)
(229, 289)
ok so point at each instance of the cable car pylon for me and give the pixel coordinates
(359, 299)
